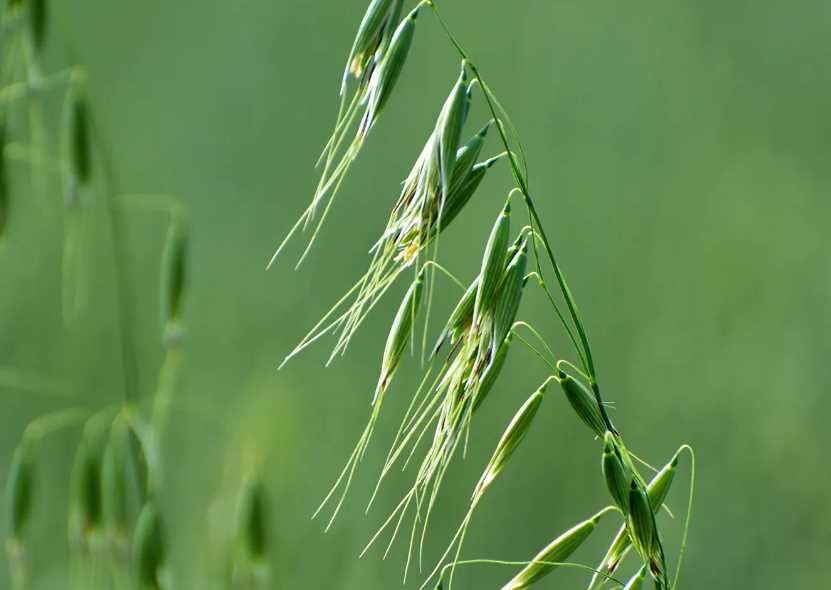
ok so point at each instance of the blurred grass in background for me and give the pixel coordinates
(681, 157)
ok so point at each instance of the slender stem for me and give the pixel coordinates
(689, 449)
(122, 293)
(574, 312)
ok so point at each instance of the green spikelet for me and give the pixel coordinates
(19, 491)
(464, 190)
(459, 318)
(493, 262)
(559, 550)
(149, 551)
(386, 74)
(467, 155)
(80, 145)
(656, 491)
(510, 440)
(510, 295)
(37, 21)
(400, 333)
(86, 499)
(174, 279)
(618, 478)
(253, 519)
(378, 21)
(493, 371)
(449, 131)
(583, 403)
(641, 521)
(120, 480)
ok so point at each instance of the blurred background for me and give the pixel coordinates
(680, 155)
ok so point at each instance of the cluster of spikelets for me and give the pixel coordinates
(442, 181)
(116, 530)
(474, 342)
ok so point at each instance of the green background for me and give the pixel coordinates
(680, 155)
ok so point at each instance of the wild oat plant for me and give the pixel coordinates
(117, 536)
(466, 360)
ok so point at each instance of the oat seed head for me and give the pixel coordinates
(479, 332)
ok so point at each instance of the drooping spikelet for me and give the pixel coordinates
(375, 62)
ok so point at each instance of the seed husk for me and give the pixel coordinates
(510, 440)
(493, 262)
(641, 521)
(618, 478)
(449, 131)
(400, 333)
(658, 487)
(510, 295)
(19, 490)
(583, 403)
(149, 551)
(555, 552)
